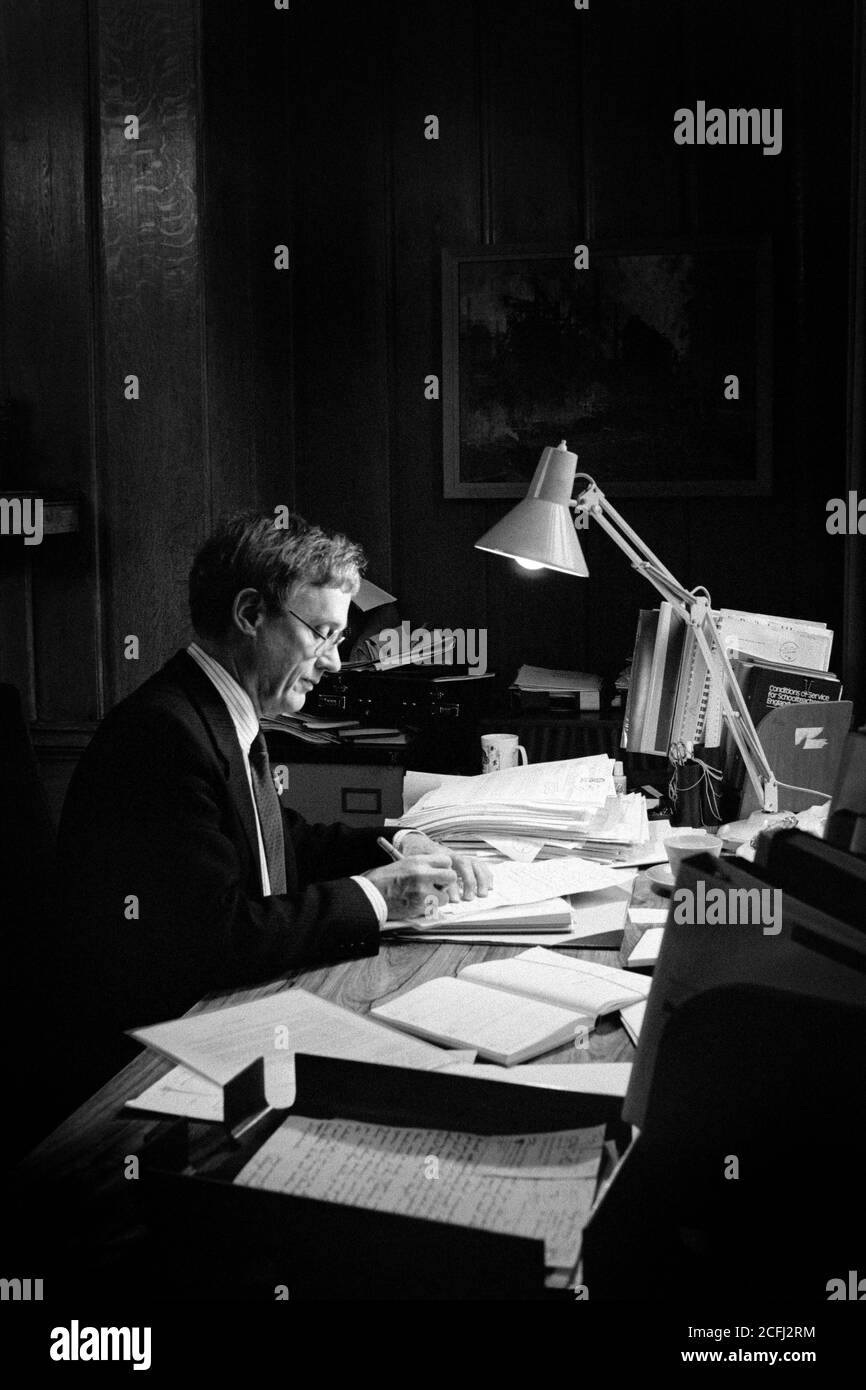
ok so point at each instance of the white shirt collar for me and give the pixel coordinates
(236, 699)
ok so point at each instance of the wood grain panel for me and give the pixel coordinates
(438, 201)
(155, 469)
(247, 158)
(340, 256)
(45, 298)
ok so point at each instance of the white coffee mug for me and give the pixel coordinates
(499, 751)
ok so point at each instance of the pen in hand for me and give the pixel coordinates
(431, 905)
(389, 849)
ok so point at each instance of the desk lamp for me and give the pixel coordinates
(540, 533)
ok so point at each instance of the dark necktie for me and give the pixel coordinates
(270, 815)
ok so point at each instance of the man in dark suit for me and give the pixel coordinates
(179, 869)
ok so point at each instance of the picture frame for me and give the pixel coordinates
(654, 363)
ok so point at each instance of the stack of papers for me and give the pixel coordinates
(561, 684)
(310, 728)
(569, 805)
(564, 682)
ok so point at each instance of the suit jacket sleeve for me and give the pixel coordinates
(152, 814)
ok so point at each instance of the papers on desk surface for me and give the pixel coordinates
(220, 1043)
(515, 888)
(597, 923)
(535, 1185)
(590, 1078)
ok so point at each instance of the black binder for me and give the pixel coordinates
(212, 1239)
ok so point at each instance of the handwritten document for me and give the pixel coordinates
(536, 1185)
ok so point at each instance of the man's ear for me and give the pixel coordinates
(248, 611)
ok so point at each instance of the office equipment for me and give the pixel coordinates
(812, 954)
(749, 1081)
(751, 1053)
(539, 532)
(820, 873)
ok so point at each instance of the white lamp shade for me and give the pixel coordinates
(540, 529)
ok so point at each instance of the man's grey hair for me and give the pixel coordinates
(249, 551)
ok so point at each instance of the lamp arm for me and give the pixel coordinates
(695, 610)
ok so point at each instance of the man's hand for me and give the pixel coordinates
(473, 875)
(408, 885)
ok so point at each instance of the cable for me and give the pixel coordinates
(810, 791)
(681, 754)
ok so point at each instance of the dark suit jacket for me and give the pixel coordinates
(159, 810)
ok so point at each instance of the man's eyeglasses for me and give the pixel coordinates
(325, 643)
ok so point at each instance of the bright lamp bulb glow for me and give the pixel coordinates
(529, 564)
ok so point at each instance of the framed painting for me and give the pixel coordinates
(653, 363)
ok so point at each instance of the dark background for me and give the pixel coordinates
(306, 387)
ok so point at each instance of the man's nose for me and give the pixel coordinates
(329, 660)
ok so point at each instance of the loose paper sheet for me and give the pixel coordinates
(536, 1185)
(221, 1043)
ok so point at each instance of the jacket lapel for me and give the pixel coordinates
(218, 724)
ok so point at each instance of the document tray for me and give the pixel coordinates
(216, 1239)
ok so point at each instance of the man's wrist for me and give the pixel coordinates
(374, 897)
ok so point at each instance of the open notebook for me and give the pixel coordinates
(514, 1009)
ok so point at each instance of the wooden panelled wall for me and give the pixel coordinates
(149, 257)
(261, 126)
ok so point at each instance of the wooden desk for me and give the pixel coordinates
(72, 1200)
